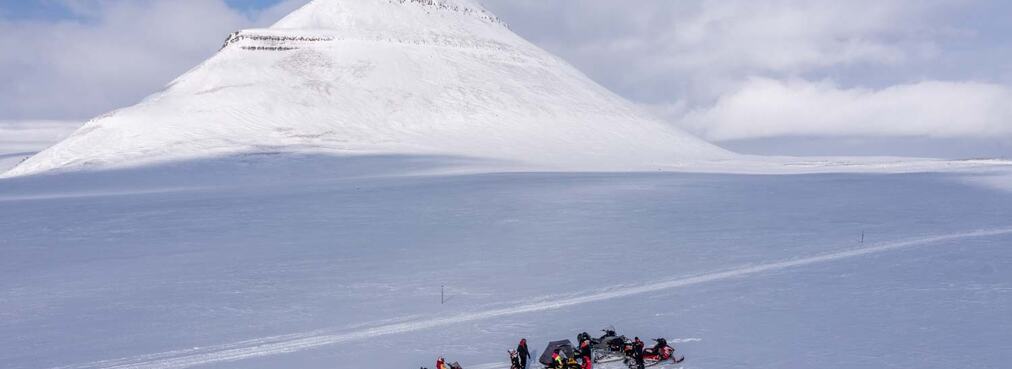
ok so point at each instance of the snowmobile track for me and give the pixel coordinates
(277, 345)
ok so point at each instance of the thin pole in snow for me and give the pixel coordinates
(862, 236)
(442, 294)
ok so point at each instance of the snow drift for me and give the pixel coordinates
(443, 77)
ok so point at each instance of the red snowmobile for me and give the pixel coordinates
(661, 351)
(657, 354)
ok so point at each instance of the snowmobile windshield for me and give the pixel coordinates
(565, 348)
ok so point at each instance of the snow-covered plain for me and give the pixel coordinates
(337, 262)
(298, 200)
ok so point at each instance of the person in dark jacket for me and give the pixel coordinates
(523, 353)
(638, 353)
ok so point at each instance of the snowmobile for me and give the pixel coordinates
(566, 349)
(609, 340)
(660, 352)
(609, 347)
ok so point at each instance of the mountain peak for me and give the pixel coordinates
(345, 14)
(380, 77)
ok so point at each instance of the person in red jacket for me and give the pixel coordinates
(586, 354)
(441, 364)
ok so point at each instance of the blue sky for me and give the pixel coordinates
(251, 4)
(931, 70)
(19, 9)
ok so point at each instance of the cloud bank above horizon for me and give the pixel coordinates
(725, 70)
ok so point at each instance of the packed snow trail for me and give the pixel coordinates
(304, 341)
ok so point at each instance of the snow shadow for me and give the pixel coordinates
(245, 170)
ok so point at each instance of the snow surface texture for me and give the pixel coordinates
(430, 77)
(299, 342)
(259, 265)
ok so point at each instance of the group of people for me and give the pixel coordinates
(582, 357)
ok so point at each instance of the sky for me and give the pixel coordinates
(900, 77)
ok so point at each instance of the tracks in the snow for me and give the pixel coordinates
(298, 342)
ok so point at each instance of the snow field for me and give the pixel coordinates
(322, 272)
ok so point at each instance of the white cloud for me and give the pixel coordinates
(112, 54)
(18, 140)
(33, 135)
(741, 69)
(765, 107)
(656, 50)
(783, 36)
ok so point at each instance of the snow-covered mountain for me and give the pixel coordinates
(436, 77)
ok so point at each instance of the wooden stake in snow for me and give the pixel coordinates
(442, 294)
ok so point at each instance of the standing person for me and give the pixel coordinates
(585, 352)
(638, 353)
(523, 353)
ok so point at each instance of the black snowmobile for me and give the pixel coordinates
(607, 348)
(566, 350)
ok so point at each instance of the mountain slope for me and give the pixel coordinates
(435, 77)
